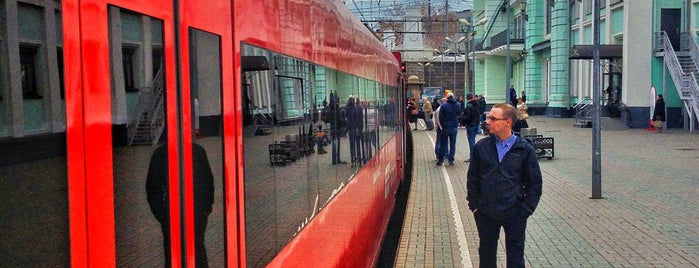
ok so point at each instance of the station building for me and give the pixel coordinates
(550, 57)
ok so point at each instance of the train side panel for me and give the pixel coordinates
(348, 231)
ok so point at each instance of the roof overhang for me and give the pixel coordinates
(579, 52)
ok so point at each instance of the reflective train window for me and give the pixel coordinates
(307, 130)
(34, 230)
(207, 147)
(138, 113)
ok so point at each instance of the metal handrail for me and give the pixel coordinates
(686, 84)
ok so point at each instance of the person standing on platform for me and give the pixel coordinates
(503, 188)
(438, 128)
(481, 107)
(522, 116)
(337, 123)
(472, 122)
(158, 197)
(449, 121)
(512, 96)
(427, 108)
(659, 113)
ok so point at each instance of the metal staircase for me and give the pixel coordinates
(145, 128)
(682, 66)
(583, 108)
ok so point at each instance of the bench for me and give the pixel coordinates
(544, 146)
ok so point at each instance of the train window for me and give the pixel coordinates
(307, 130)
(207, 147)
(34, 229)
(139, 164)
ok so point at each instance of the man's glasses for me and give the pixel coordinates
(493, 118)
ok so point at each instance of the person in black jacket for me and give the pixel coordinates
(471, 121)
(503, 187)
(158, 197)
(659, 113)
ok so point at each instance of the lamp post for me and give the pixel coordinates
(508, 70)
(441, 64)
(455, 54)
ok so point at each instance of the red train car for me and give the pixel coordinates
(220, 133)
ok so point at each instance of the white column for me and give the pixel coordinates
(118, 89)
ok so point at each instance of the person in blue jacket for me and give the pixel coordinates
(503, 187)
(449, 122)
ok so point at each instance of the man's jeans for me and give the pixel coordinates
(471, 132)
(489, 233)
(448, 142)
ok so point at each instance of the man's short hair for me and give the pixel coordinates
(508, 111)
(469, 96)
(450, 95)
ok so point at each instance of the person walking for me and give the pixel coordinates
(471, 121)
(659, 113)
(503, 186)
(449, 121)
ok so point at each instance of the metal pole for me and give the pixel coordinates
(454, 72)
(596, 131)
(507, 57)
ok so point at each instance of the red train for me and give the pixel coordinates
(279, 125)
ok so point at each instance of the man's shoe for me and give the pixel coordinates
(451, 163)
(467, 160)
(439, 163)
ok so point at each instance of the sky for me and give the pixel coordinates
(386, 9)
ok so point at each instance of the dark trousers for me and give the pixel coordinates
(438, 144)
(471, 132)
(489, 233)
(448, 144)
(200, 223)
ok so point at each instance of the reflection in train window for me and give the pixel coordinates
(138, 120)
(307, 130)
(34, 230)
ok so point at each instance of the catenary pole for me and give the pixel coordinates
(596, 131)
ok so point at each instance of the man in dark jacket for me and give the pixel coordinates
(471, 121)
(449, 121)
(158, 197)
(503, 187)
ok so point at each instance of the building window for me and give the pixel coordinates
(549, 15)
(27, 58)
(61, 75)
(128, 62)
(157, 60)
(520, 27)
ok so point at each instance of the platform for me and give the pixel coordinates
(648, 216)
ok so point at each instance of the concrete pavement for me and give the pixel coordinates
(648, 216)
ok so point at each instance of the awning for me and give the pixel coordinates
(578, 52)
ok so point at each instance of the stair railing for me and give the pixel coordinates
(686, 84)
(683, 82)
(581, 108)
(157, 122)
(150, 103)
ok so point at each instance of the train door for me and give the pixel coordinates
(148, 85)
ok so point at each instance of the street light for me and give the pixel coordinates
(441, 65)
(455, 54)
